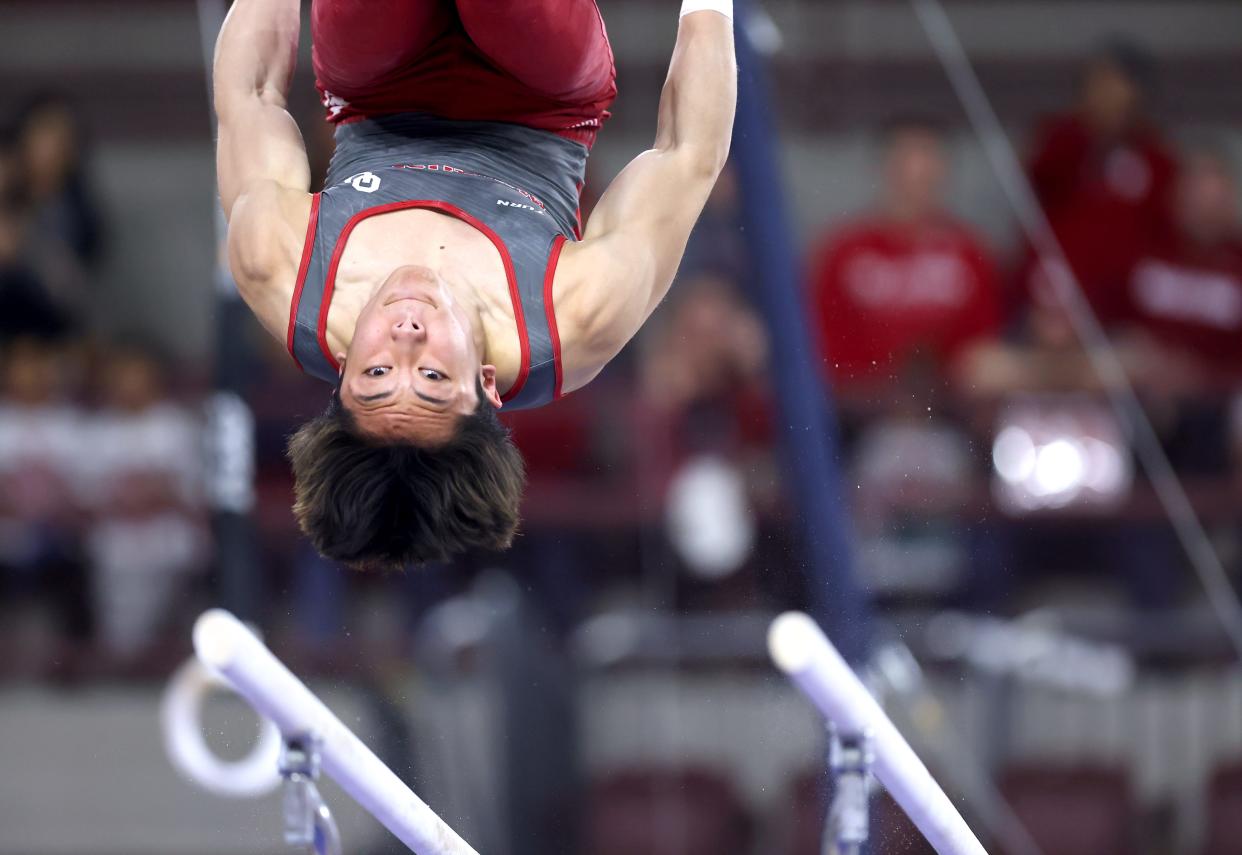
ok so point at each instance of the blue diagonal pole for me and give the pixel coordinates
(807, 415)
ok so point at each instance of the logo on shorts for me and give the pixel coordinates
(364, 182)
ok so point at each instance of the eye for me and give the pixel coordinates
(377, 371)
(432, 374)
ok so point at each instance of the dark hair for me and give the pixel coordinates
(42, 101)
(1131, 58)
(377, 505)
(899, 125)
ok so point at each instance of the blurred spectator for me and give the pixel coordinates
(1104, 176)
(64, 239)
(1177, 325)
(10, 166)
(914, 472)
(1184, 317)
(1185, 294)
(40, 521)
(1043, 355)
(907, 284)
(704, 418)
(25, 308)
(688, 359)
(701, 387)
(142, 462)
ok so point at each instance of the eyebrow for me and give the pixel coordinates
(368, 399)
(430, 399)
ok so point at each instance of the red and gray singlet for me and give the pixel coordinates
(517, 186)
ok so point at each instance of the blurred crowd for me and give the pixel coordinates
(979, 387)
(101, 519)
(989, 465)
(983, 455)
(976, 385)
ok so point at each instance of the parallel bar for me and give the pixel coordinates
(224, 644)
(803, 652)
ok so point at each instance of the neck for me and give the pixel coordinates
(489, 311)
(1110, 128)
(480, 315)
(907, 213)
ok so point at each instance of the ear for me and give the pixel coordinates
(488, 376)
(340, 360)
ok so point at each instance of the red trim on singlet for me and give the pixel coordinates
(307, 246)
(452, 210)
(578, 212)
(548, 310)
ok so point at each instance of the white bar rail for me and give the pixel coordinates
(801, 650)
(224, 644)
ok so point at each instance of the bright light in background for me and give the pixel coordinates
(1059, 469)
(1107, 470)
(1013, 454)
(1049, 457)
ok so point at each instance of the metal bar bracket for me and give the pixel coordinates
(308, 822)
(850, 757)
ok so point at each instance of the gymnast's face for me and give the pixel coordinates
(413, 366)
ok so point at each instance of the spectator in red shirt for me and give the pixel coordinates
(1185, 293)
(1104, 177)
(908, 284)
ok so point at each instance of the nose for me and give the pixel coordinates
(409, 328)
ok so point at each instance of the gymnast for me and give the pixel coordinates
(443, 272)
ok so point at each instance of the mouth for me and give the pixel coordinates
(405, 296)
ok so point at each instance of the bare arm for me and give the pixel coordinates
(258, 140)
(637, 234)
(261, 164)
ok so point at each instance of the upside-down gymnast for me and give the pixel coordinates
(442, 273)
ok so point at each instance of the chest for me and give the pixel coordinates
(495, 252)
(379, 244)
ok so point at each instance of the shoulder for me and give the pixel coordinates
(965, 236)
(267, 228)
(267, 233)
(598, 307)
(586, 273)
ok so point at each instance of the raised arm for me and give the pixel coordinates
(637, 234)
(259, 143)
(261, 165)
